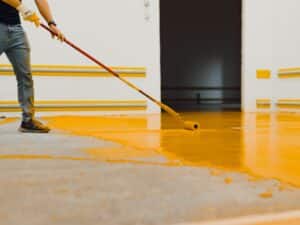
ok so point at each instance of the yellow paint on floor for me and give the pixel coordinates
(228, 180)
(284, 187)
(93, 157)
(7, 120)
(283, 222)
(267, 194)
(215, 172)
(263, 145)
(282, 218)
(48, 157)
(107, 154)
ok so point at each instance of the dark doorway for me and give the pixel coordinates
(201, 54)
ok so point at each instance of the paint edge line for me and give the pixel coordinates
(252, 220)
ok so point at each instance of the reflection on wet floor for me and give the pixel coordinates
(272, 146)
(265, 145)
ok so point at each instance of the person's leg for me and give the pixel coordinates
(3, 38)
(18, 53)
(3, 44)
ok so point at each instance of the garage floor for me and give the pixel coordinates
(123, 170)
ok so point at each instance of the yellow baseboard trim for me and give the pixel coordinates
(76, 71)
(77, 105)
(291, 69)
(82, 109)
(288, 76)
(288, 73)
(284, 106)
(294, 101)
(263, 103)
(288, 103)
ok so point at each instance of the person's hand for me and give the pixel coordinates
(32, 17)
(60, 36)
(29, 15)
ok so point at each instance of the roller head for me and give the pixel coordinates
(190, 125)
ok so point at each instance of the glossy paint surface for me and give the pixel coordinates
(262, 145)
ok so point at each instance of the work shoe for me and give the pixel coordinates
(33, 126)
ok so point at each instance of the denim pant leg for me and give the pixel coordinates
(18, 53)
(3, 38)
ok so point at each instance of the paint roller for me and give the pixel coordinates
(188, 125)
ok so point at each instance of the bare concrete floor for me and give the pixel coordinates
(48, 179)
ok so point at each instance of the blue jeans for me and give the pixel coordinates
(14, 43)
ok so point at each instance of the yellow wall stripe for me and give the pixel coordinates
(263, 103)
(83, 102)
(289, 73)
(76, 71)
(83, 109)
(292, 69)
(263, 74)
(288, 103)
(78, 105)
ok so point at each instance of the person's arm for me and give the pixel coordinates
(26, 13)
(45, 11)
(31, 16)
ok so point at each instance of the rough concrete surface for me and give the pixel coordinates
(42, 191)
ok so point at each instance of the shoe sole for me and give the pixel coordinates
(23, 130)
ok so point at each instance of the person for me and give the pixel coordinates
(14, 43)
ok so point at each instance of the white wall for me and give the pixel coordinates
(271, 40)
(117, 32)
(286, 35)
(114, 31)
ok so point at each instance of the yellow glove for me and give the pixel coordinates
(29, 15)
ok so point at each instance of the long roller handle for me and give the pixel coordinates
(160, 104)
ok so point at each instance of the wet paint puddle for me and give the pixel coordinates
(267, 148)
